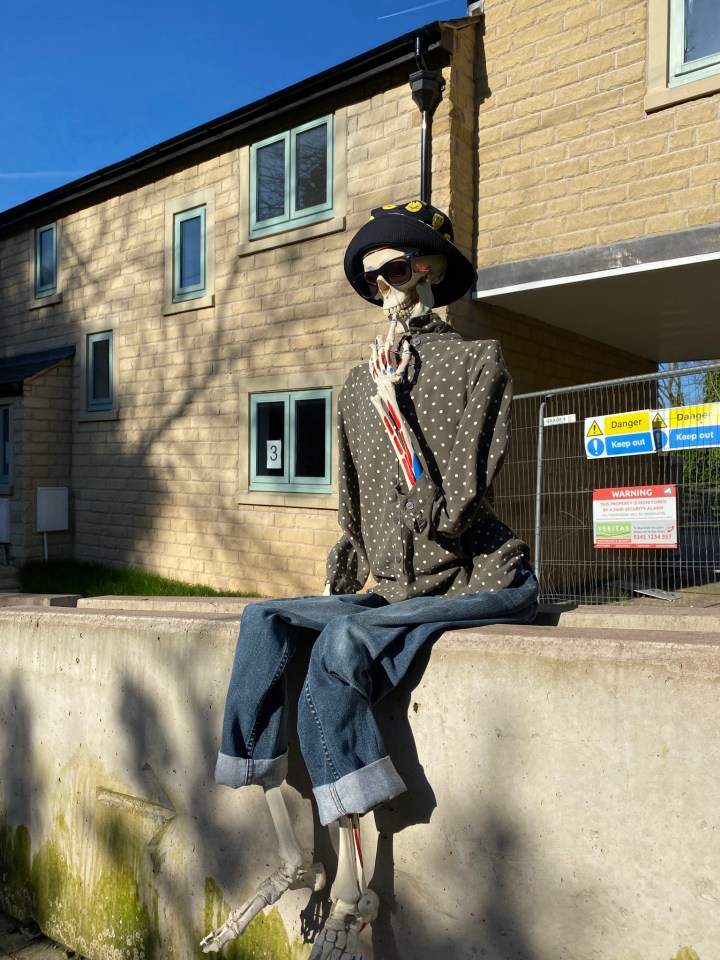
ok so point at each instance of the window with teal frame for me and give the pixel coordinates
(291, 441)
(189, 255)
(292, 178)
(694, 40)
(99, 390)
(5, 447)
(46, 260)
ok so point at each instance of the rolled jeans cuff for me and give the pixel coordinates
(359, 791)
(237, 772)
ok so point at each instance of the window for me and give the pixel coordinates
(189, 280)
(292, 178)
(46, 249)
(694, 40)
(189, 255)
(99, 370)
(5, 448)
(683, 53)
(290, 441)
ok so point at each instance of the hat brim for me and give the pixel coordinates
(400, 231)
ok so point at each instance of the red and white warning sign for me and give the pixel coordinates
(635, 517)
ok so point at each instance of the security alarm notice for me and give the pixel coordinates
(635, 517)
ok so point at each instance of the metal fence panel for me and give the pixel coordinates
(545, 490)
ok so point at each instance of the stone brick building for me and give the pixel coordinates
(167, 319)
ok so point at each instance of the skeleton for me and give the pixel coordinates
(354, 905)
(400, 303)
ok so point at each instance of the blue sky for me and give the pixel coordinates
(85, 84)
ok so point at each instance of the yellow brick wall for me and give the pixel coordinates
(568, 157)
(157, 487)
(43, 458)
(538, 355)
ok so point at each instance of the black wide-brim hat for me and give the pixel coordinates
(419, 226)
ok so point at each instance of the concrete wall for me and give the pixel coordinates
(562, 801)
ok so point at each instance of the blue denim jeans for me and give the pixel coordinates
(362, 648)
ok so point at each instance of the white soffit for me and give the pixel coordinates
(662, 309)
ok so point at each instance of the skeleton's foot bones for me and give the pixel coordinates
(287, 877)
(339, 938)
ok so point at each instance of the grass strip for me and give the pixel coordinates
(97, 580)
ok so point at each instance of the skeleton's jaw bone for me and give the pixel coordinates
(400, 312)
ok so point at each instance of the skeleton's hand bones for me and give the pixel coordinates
(386, 376)
(383, 358)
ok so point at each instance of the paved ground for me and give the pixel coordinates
(25, 941)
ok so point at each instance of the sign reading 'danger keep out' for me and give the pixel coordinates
(635, 517)
(687, 428)
(619, 435)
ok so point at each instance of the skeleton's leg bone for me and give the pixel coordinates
(290, 851)
(348, 882)
(354, 906)
(296, 870)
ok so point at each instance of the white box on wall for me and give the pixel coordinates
(52, 509)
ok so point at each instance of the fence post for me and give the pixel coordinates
(538, 487)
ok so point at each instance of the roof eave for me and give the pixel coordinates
(181, 149)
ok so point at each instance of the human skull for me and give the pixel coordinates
(415, 296)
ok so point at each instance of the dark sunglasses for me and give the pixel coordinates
(396, 272)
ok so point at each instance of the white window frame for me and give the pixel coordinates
(99, 403)
(6, 451)
(190, 291)
(176, 210)
(292, 217)
(680, 70)
(51, 293)
(301, 494)
(317, 222)
(90, 410)
(290, 481)
(669, 81)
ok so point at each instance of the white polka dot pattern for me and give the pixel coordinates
(442, 537)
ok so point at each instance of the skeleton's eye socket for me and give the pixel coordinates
(397, 272)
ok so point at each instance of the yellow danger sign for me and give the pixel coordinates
(702, 415)
(658, 422)
(594, 430)
(636, 422)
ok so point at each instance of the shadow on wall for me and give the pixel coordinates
(492, 916)
(21, 798)
(156, 487)
(118, 857)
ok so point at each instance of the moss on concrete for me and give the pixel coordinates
(264, 939)
(103, 916)
(103, 911)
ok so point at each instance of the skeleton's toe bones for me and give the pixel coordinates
(288, 877)
(338, 939)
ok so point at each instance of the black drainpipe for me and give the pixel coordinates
(427, 87)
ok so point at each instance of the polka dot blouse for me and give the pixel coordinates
(442, 537)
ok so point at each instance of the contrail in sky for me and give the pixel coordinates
(41, 173)
(412, 9)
